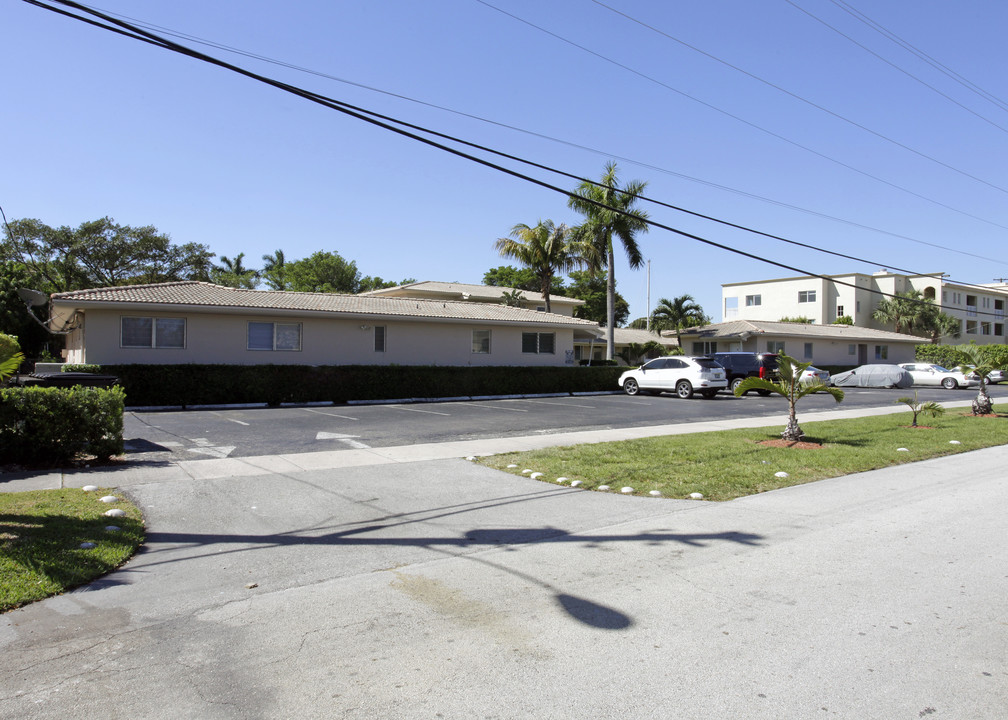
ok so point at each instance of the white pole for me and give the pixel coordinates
(648, 314)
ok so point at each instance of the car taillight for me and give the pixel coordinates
(762, 373)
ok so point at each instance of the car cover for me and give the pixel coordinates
(886, 376)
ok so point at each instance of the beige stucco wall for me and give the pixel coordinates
(778, 299)
(222, 339)
(824, 352)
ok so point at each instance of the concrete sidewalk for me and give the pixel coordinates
(210, 469)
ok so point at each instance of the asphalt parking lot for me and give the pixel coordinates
(242, 432)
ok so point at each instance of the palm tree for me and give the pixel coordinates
(904, 310)
(976, 362)
(789, 385)
(634, 353)
(234, 273)
(918, 407)
(610, 213)
(681, 312)
(273, 271)
(546, 249)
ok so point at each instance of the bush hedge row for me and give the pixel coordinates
(153, 385)
(56, 424)
(950, 357)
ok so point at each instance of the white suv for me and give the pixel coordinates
(679, 374)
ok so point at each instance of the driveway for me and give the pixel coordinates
(445, 589)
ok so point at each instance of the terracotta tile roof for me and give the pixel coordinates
(483, 293)
(735, 328)
(192, 293)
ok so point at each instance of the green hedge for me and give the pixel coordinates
(148, 385)
(950, 357)
(56, 424)
(85, 368)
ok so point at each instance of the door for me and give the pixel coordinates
(862, 354)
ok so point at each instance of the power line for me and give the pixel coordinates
(615, 156)
(136, 33)
(751, 124)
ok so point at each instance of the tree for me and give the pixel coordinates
(513, 298)
(977, 362)
(233, 273)
(788, 384)
(610, 212)
(101, 253)
(546, 249)
(14, 315)
(322, 271)
(681, 312)
(369, 283)
(10, 356)
(274, 271)
(798, 320)
(940, 325)
(591, 287)
(917, 407)
(634, 353)
(844, 320)
(521, 278)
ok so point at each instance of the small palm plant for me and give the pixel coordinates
(921, 408)
(10, 356)
(789, 385)
(979, 364)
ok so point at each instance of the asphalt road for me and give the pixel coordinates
(195, 434)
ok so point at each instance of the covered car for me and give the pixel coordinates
(881, 376)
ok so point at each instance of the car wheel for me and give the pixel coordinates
(764, 393)
(734, 384)
(684, 389)
(708, 394)
(630, 387)
(950, 384)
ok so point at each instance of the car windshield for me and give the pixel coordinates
(708, 363)
(939, 368)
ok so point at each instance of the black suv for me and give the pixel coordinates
(741, 365)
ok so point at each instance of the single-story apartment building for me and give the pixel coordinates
(843, 345)
(200, 322)
(595, 348)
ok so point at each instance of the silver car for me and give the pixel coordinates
(679, 374)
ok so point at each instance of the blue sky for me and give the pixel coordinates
(95, 124)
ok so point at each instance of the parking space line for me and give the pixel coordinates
(322, 412)
(417, 410)
(238, 422)
(494, 407)
(561, 404)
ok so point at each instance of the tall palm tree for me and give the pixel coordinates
(676, 314)
(903, 310)
(274, 270)
(546, 249)
(610, 212)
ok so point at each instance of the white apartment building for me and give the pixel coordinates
(980, 309)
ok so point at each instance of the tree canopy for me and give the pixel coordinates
(510, 276)
(591, 287)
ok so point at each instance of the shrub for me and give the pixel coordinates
(81, 368)
(56, 424)
(147, 385)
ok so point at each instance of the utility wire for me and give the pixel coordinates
(131, 31)
(656, 168)
(751, 124)
(940, 67)
(886, 61)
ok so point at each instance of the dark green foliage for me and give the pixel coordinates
(93, 369)
(950, 356)
(158, 385)
(591, 288)
(53, 425)
(797, 320)
(521, 278)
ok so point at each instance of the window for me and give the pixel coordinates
(971, 327)
(274, 336)
(775, 346)
(839, 311)
(808, 351)
(998, 328)
(881, 352)
(540, 343)
(944, 296)
(957, 298)
(999, 308)
(145, 332)
(985, 328)
(857, 306)
(753, 300)
(806, 296)
(730, 308)
(481, 342)
(971, 305)
(704, 347)
(852, 349)
(379, 338)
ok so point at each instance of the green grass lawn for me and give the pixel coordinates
(41, 533)
(729, 464)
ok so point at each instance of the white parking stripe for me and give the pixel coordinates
(561, 404)
(400, 407)
(494, 407)
(320, 412)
